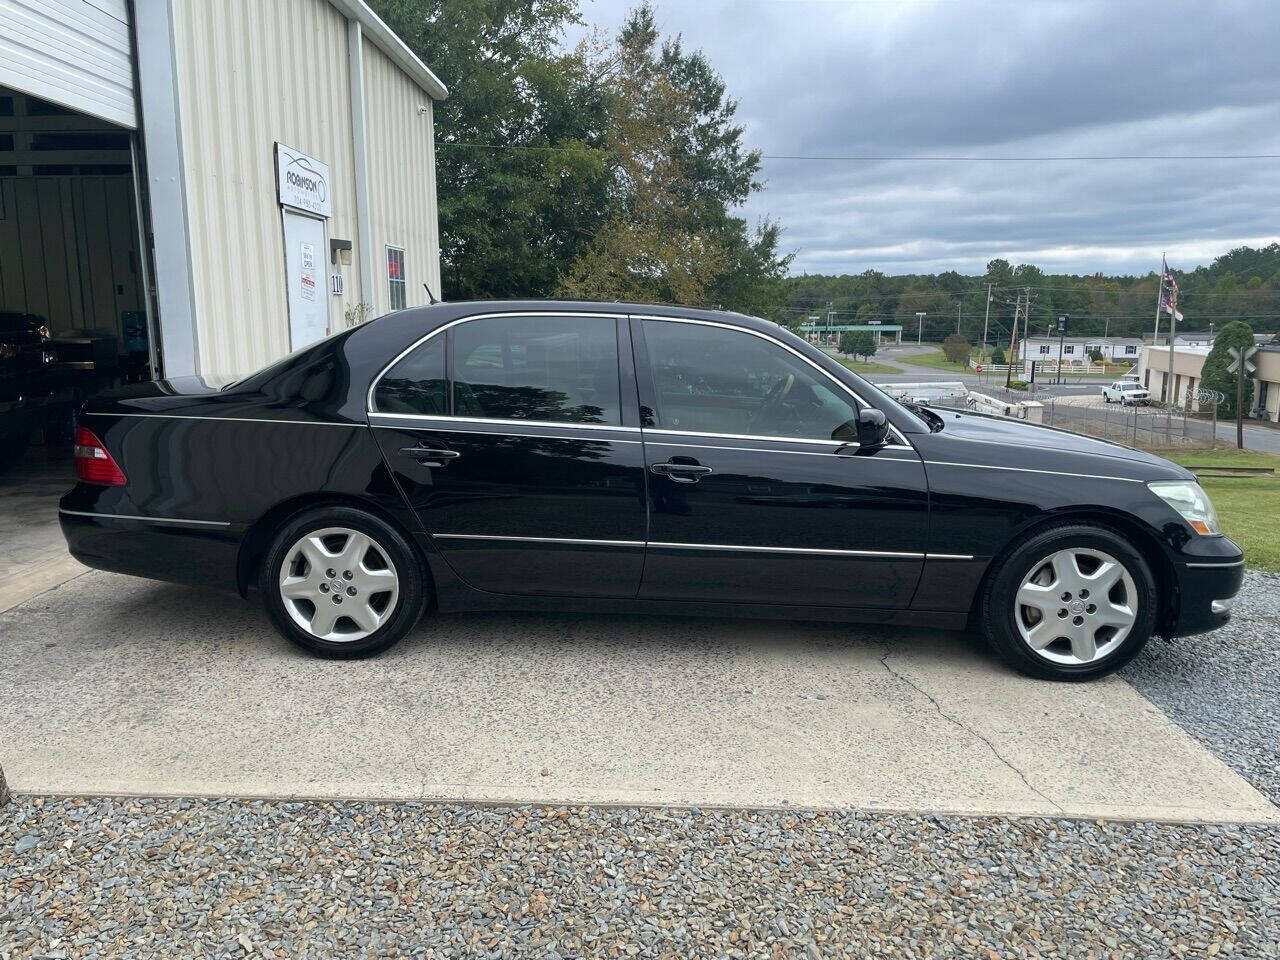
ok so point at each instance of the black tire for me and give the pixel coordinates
(997, 609)
(413, 588)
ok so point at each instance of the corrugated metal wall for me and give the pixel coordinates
(73, 52)
(251, 74)
(402, 178)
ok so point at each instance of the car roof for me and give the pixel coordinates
(455, 309)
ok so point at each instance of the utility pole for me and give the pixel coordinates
(957, 318)
(1062, 335)
(986, 320)
(920, 315)
(1173, 330)
(1013, 339)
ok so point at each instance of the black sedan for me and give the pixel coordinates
(615, 457)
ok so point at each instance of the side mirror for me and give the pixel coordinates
(873, 428)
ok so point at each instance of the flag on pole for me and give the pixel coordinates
(1169, 294)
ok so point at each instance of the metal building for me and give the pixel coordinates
(195, 187)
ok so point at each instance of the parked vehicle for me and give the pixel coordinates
(1126, 392)
(592, 457)
(28, 398)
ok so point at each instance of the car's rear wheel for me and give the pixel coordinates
(1070, 602)
(341, 582)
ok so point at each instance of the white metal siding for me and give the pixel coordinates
(251, 74)
(402, 178)
(72, 52)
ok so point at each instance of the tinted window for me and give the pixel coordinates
(537, 368)
(714, 380)
(417, 383)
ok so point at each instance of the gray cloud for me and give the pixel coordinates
(1000, 78)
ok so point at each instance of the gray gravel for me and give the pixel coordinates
(1224, 687)
(166, 878)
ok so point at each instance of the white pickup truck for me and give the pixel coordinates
(1126, 392)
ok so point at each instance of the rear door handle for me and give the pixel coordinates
(430, 456)
(680, 472)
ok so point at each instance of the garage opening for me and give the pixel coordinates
(73, 284)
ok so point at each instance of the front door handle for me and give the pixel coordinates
(688, 472)
(430, 456)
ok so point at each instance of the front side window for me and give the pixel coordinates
(560, 369)
(396, 294)
(711, 379)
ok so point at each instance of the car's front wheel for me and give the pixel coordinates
(342, 583)
(1070, 602)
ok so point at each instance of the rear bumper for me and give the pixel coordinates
(1206, 588)
(201, 556)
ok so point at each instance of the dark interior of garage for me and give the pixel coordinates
(73, 295)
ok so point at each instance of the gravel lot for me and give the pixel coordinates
(182, 878)
(1224, 687)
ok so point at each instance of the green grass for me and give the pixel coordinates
(937, 360)
(1248, 507)
(866, 366)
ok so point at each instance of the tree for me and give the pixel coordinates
(1096, 355)
(676, 167)
(858, 343)
(997, 355)
(956, 348)
(1215, 376)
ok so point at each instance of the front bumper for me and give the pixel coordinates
(1206, 586)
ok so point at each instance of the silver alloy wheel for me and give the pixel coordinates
(339, 584)
(1076, 606)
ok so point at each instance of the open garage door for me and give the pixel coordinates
(73, 287)
(75, 53)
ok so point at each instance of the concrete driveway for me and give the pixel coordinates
(115, 685)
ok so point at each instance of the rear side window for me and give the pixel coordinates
(416, 384)
(561, 369)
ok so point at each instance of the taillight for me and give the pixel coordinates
(93, 463)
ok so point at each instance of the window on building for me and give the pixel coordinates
(397, 295)
(562, 369)
(713, 380)
(1044, 348)
(416, 384)
(1130, 349)
(1069, 348)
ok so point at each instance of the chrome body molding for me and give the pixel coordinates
(742, 548)
(180, 521)
(181, 416)
(1224, 566)
(1051, 473)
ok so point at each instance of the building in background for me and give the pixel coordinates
(189, 187)
(1078, 350)
(1188, 375)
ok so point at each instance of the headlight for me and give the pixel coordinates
(1190, 500)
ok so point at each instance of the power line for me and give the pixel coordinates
(886, 158)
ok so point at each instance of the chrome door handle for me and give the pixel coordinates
(680, 472)
(431, 457)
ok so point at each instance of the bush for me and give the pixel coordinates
(997, 355)
(956, 348)
(1096, 355)
(1017, 384)
(1215, 376)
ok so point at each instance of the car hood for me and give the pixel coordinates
(1038, 441)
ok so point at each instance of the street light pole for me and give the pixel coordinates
(920, 314)
(986, 320)
(1062, 335)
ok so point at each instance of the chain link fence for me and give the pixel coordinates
(1154, 427)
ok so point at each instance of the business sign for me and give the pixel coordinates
(302, 182)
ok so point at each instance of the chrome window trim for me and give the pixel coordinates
(125, 516)
(179, 416)
(742, 548)
(371, 409)
(762, 439)
(497, 421)
(1052, 473)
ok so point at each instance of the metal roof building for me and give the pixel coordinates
(203, 187)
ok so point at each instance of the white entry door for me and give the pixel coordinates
(304, 265)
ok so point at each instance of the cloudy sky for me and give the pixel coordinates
(1000, 78)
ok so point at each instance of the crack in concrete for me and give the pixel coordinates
(954, 721)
